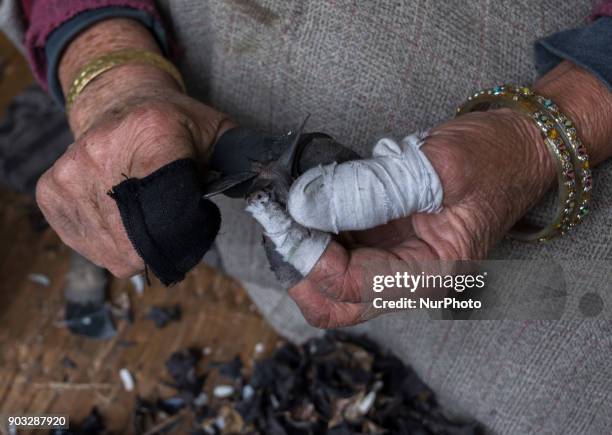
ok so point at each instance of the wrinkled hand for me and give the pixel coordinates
(493, 166)
(135, 137)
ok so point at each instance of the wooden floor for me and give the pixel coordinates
(34, 343)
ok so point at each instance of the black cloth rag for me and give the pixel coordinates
(169, 224)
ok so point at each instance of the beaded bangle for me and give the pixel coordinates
(104, 63)
(572, 162)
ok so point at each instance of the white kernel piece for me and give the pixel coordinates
(127, 379)
(138, 283)
(223, 391)
(40, 278)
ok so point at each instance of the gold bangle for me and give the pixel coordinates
(94, 68)
(570, 155)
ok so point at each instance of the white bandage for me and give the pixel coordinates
(299, 246)
(396, 182)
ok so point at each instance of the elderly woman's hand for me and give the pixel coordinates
(493, 167)
(146, 133)
(129, 122)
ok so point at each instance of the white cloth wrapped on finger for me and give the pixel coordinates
(396, 182)
(299, 246)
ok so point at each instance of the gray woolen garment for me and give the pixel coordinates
(364, 69)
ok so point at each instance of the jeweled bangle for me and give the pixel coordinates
(550, 116)
(559, 134)
(94, 68)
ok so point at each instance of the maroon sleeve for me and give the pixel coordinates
(604, 9)
(44, 16)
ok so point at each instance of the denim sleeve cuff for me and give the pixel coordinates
(60, 38)
(587, 47)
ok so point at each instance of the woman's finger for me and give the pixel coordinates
(298, 246)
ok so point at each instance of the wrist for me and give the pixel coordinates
(115, 88)
(586, 101)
